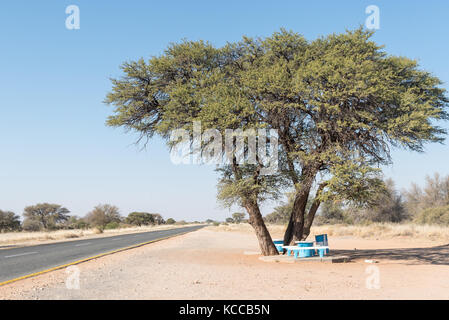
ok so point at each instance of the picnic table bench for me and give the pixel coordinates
(305, 249)
(296, 250)
(278, 244)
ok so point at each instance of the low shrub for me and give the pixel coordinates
(437, 215)
(112, 225)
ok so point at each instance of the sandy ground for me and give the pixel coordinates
(207, 264)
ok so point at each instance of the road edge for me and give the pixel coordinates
(89, 258)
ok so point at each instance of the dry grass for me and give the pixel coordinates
(16, 238)
(372, 231)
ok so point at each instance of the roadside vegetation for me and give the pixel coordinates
(45, 221)
(415, 212)
(372, 231)
(427, 205)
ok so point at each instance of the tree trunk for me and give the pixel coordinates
(295, 226)
(266, 244)
(298, 229)
(309, 219)
(313, 209)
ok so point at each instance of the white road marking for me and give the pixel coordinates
(21, 254)
(83, 244)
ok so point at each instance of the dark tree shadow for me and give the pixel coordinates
(434, 255)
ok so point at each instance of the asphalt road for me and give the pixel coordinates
(18, 262)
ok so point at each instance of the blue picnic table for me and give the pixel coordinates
(305, 249)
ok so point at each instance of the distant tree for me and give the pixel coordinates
(9, 221)
(140, 218)
(77, 223)
(436, 215)
(171, 221)
(209, 221)
(434, 194)
(112, 225)
(385, 206)
(281, 213)
(158, 218)
(230, 220)
(101, 215)
(331, 212)
(31, 225)
(238, 217)
(48, 216)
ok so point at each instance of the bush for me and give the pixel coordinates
(216, 224)
(238, 217)
(49, 216)
(31, 225)
(112, 225)
(9, 221)
(98, 230)
(229, 220)
(140, 218)
(437, 215)
(331, 213)
(102, 215)
(171, 221)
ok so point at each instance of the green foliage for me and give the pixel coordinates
(386, 206)
(76, 223)
(281, 214)
(140, 218)
(9, 221)
(112, 225)
(45, 216)
(238, 217)
(339, 104)
(383, 205)
(170, 221)
(102, 215)
(31, 225)
(158, 218)
(436, 215)
(229, 220)
(434, 194)
(332, 212)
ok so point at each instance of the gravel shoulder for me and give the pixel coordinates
(207, 264)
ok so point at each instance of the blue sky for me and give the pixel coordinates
(54, 144)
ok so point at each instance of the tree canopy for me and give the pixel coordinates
(102, 215)
(9, 221)
(45, 215)
(338, 105)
